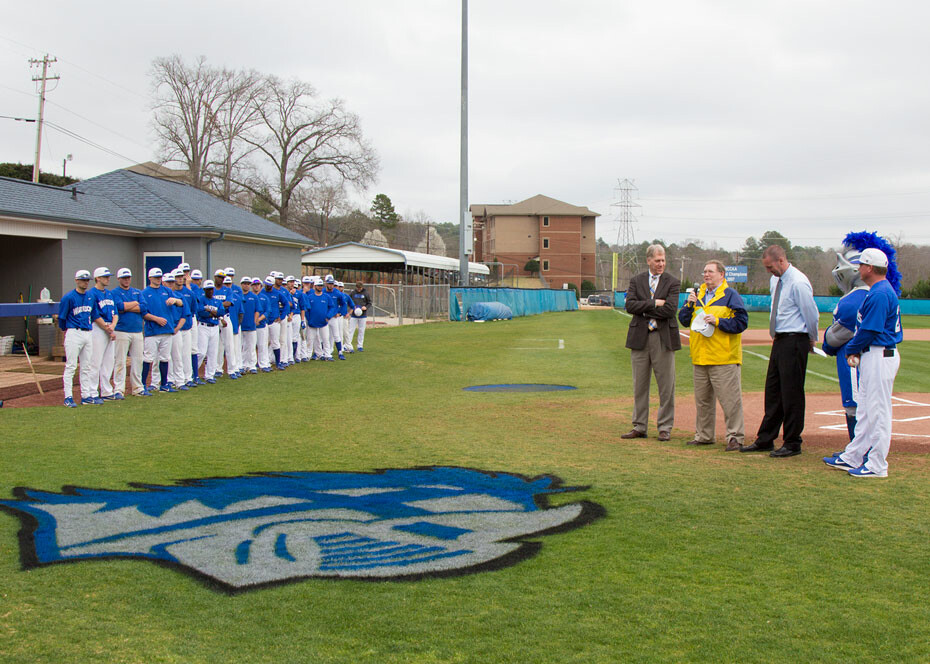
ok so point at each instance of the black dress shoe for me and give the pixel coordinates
(785, 452)
(665, 436)
(633, 434)
(757, 447)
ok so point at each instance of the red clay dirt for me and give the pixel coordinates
(825, 422)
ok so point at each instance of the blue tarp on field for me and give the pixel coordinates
(489, 311)
(825, 304)
(522, 301)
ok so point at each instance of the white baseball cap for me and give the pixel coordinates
(227, 280)
(245, 280)
(208, 284)
(195, 274)
(169, 276)
(184, 267)
(330, 279)
(102, 272)
(123, 272)
(155, 272)
(269, 280)
(82, 274)
(277, 275)
(289, 278)
(874, 257)
(340, 284)
(307, 280)
(219, 272)
(256, 280)
(230, 270)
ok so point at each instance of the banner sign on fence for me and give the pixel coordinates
(737, 274)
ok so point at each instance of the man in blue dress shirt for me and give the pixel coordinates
(793, 327)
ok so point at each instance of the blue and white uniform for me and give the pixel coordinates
(341, 302)
(180, 366)
(103, 346)
(74, 313)
(209, 315)
(188, 333)
(157, 351)
(878, 334)
(251, 309)
(268, 336)
(319, 308)
(129, 341)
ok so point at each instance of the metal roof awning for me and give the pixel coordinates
(354, 255)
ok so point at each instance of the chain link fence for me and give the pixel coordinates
(397, 304)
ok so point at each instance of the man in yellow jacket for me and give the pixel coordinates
(717, 355)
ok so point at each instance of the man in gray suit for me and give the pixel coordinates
(652, 299)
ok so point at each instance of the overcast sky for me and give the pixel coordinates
(733, 117)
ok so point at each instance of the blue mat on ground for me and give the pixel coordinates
(519, 387)
(489, 311)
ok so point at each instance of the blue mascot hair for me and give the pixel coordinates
(867, 240)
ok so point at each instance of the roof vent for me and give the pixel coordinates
(74, 193)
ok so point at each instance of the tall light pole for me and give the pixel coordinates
(465, 225)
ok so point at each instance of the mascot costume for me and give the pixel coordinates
(846, 275)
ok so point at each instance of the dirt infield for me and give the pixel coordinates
(825, 422)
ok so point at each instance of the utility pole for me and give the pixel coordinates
(45, 62)
(681, 278)
(465, 220)
(627, 258)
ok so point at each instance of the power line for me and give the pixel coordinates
(786, 198)
(87, 141)
(96, 124)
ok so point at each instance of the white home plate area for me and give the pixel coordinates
(910, 418)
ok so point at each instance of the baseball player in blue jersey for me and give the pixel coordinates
(103, 336)
(319, 309)
(234, 345)
(266, 328)
(304, 347)
(274, 318)
(874, 350)
(188, 331)
(294, 298)
(129, 341)
(74, 313)
(211, 314)
(846, 275)
(252, 316)
(159, 328)
(196, 280)
(335, 323)
(222, 292)
(180, 358)
(285, 316)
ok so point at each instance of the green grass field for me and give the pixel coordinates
(701, 556)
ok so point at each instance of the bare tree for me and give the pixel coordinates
(328, 198)
(302, 137)
(185, 105)
(237, 113)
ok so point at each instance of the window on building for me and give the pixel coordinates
(545, 221)
(545, 266)
(545, 243)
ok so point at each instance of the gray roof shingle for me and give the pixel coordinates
(133, 201)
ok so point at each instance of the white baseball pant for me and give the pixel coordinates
(873, 416)
(103, 350)
(248, 349)
(175, 366)
(209, 347)
(157, 349)
(78, 349)
(360, 324)
(128, 344)
(261, 341)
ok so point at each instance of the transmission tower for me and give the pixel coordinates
(627, 260)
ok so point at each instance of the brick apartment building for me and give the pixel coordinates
(560, 235)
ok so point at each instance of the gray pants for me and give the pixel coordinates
(721, 383)
(653, 359)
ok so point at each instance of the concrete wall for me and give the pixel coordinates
(255, 260)
(91, 250)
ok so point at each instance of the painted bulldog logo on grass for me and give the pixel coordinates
(247, 531)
